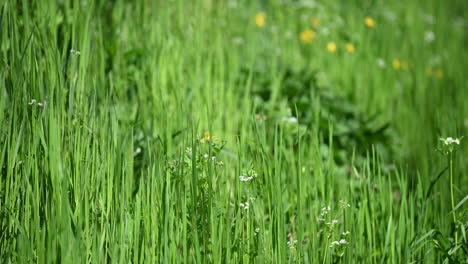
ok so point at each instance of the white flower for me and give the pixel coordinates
(291, 120)
(381, 63)
(346, 233)
(334, 243)
(244, 178)
(344, 204)
(205, 156)
(238, 40)
(292, 243)
(245, 205)
(274, 29)
(34, 101)
(324, 31)
(213, 158)
(247, 178)
(338, 243)
(429, 36)
(332, 222)
(232, 4)
(450, 141)
(75, 52)
(137, 151)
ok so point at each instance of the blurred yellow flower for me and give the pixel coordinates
(261, 118)
(439, 73)
(369, 21)
(206, 138)
(307, 35)
(331, 46)
(396, 64)
(350, 47)
(315, 21)
(260, 19)
(404, 64)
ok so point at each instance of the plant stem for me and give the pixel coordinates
(451, 196)
(326, 251)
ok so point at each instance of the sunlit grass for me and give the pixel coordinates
(216, 132)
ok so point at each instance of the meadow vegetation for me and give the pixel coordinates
(234, 131)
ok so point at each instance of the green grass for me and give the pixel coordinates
(112, 167)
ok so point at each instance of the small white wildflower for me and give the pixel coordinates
(389, 15)
(248, 177)
(137, 151)
(429, 36)
(343, 241)
(244, 178)
(334, 243)
(238, 40)
(291, 120)
(257, 230)
(33, 101)
(344, 204)
(381, 63)
(213, 158)
(308, 4)
(75, 52)
(232, 4)
(346, 233)
(292, 243)
(324, 31)
(245, 205)
(205, 156)
(450, 141)
(332, 222)
(274, 29)
(325, 210)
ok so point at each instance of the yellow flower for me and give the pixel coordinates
(261, 118)
(369, 21)
(260, 19)
(396, 64)
(331, 46)
(315, 21)
(307, 35)
(439, 73)
(206, 138)
(404, 64)
(350, 47)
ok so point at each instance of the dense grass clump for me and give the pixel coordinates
(233, 131)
